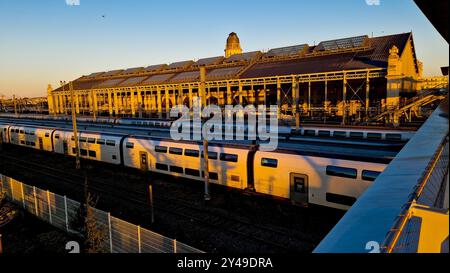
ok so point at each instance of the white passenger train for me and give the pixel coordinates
(304, 179)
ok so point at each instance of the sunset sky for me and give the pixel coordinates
(46, 41)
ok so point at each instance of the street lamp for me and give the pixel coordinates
(63, 84)
(74, 124)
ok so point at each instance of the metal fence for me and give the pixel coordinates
(118, 236)
(429, 193)
(406, 208)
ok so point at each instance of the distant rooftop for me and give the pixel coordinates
(359, 52)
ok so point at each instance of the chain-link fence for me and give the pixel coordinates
(117, 236)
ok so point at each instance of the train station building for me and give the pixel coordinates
(356, 76)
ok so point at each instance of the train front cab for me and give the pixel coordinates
(4, 133)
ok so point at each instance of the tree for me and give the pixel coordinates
(95, 235)
(86, 223)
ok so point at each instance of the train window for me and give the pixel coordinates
(91, 140)
(324, 133)
(22, 142)
(17, 130)
(130, 145)
(160, 149)
(101, 141)
(192, 172)
(393, 137)
(57, 136)
(211, 155)
(339, 134)
(47, 134)
(92, 154)
(356, 134)
(228, 157)
(235, 178)
(162, 167)
(110, 143)
(74, 151)
(373, 136)
(212, 175)
(31, 133)
(33, 144)
(27, 143)
(370, 175)
(83, 152)
(269, 162)
(27, 132)
(175, 151)
(21, 131)
(310, 132)
(114, 157)
(72, 138)
(82, 139)
(176, 169)
(192, 153)
(341, 171)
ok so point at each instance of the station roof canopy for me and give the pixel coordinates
(374, 56)
(359, 52)
(286, 51)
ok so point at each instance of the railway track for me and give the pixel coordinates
(278, 240)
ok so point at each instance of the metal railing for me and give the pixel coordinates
(406, 208)
(405, 233)
(117, 235)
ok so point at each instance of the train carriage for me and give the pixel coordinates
(290, 174)
(228, 166)
(318, 180)
(356, 133)
(93, 145)
(34, 137)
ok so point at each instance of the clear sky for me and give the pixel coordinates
(45, 41)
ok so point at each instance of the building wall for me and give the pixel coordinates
(433, 82)
(404, 72)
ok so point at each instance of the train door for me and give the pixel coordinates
(65, 147)
(299, 188)
(41, 144)
(143, 161)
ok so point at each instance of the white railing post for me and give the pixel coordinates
(35, 202)
(49, 208)
(139, 238)
(174, 245)
(67, 216)
(110, 233)
(23, 195)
